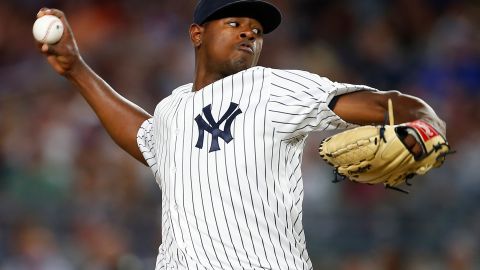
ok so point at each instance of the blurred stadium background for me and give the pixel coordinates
(71, 199)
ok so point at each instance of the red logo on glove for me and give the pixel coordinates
(425, 130)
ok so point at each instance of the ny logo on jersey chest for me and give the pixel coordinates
(213, 127)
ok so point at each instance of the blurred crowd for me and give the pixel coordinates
(71, 199)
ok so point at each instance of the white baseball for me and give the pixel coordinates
(48, 29)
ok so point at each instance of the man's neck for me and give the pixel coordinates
(204, 78)
(206, 75)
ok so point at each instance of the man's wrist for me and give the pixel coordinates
(77, 71)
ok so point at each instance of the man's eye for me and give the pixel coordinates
(256, 31)
(233, 24)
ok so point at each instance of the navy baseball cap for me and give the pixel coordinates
(267, 14)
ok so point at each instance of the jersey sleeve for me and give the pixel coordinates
(146, 143)
(299, 102)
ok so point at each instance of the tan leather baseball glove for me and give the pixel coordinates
(377, 154)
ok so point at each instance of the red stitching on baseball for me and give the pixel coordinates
(48, 30)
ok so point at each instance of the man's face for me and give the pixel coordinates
(232, 44)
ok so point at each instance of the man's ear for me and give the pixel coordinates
(196, 35)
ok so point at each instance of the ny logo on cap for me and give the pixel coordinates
(213, 127)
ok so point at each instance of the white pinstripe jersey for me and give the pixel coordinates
(227, 159)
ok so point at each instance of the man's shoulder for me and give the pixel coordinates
(269, 71)
(182, 89)
(294, 73)
(297, 77)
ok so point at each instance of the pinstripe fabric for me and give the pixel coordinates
(239, 207)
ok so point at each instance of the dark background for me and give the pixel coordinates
(71, 199)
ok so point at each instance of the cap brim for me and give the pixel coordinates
(267, 14)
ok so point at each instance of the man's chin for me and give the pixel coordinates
(240, 65)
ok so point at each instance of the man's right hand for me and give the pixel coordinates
(63, 56)
(120, 117)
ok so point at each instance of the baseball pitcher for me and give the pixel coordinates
(226, 149)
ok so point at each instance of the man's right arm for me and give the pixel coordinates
(120, 117)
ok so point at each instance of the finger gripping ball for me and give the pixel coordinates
(48, 29)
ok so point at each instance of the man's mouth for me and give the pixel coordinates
(247, 47)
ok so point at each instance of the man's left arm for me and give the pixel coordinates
(379, 152)
(368, 107)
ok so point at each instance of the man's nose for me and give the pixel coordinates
(248, 34)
